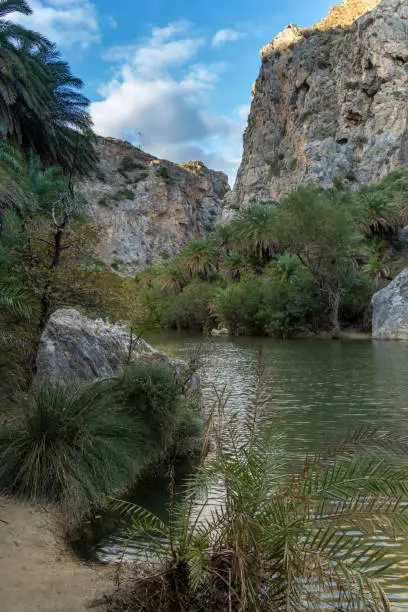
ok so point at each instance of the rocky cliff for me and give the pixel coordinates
(148, 208)
(330, 103)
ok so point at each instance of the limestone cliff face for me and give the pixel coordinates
(330, 103)
(147, 208)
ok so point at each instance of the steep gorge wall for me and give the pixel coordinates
(148, 208)
(330, 103)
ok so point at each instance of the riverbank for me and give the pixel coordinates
(37, 571)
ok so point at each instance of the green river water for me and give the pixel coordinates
(314, 389)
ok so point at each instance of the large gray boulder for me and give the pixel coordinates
(390, 310)
(73, 347)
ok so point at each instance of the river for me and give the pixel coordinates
(314, 391)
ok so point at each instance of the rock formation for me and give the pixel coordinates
(73, 347)
(330, 103)
(390, 310)
(148, 208)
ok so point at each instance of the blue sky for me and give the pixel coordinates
(178, 72)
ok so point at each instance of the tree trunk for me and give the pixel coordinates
(335, 316)
(45, 310)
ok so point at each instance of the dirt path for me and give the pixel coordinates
(37, 573)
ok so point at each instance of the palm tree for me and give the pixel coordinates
(380, 219)
(40, 105)
(167, 276)
(277, 540)
(25, 185)
(20, 76)
(377, 270)
(223, 236)
(384, 205)
(67, 139)
(253, 232)
(231, 267)
(198, 259)
(171, 279)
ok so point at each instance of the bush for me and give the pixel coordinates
(193, 308)
(67, 446)
(273, 305)
(163, 172)
(73, 447)
(357, 298)
(127, 164)
(166, 414)
(274, 535)
(124, 194)
(239, 305)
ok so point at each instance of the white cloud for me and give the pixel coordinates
(226, 35)
(65, 22)
(160, 51)
(162, 91)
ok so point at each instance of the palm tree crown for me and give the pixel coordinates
(40, 105)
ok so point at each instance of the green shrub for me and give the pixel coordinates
(239, 305)
(128, 164)
(124, 194)
(140, 177)
(193, 308)
(275, 166)
(352, 85)
(274, 305)
(356, 301)
(167, 416)
(163, 172)
(75, 446)
(70, 446)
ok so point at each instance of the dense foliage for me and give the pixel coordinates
(41, 106)
(297, 266)
(281, 538)
(76, 445)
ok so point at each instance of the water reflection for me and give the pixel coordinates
(314, 392)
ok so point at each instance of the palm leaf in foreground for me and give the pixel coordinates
(277, 540)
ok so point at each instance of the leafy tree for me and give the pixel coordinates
(46, 246)
(320, 227)
(193, 308)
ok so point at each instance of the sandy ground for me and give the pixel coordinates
(37, 572)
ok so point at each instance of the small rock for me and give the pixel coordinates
(220, 332)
